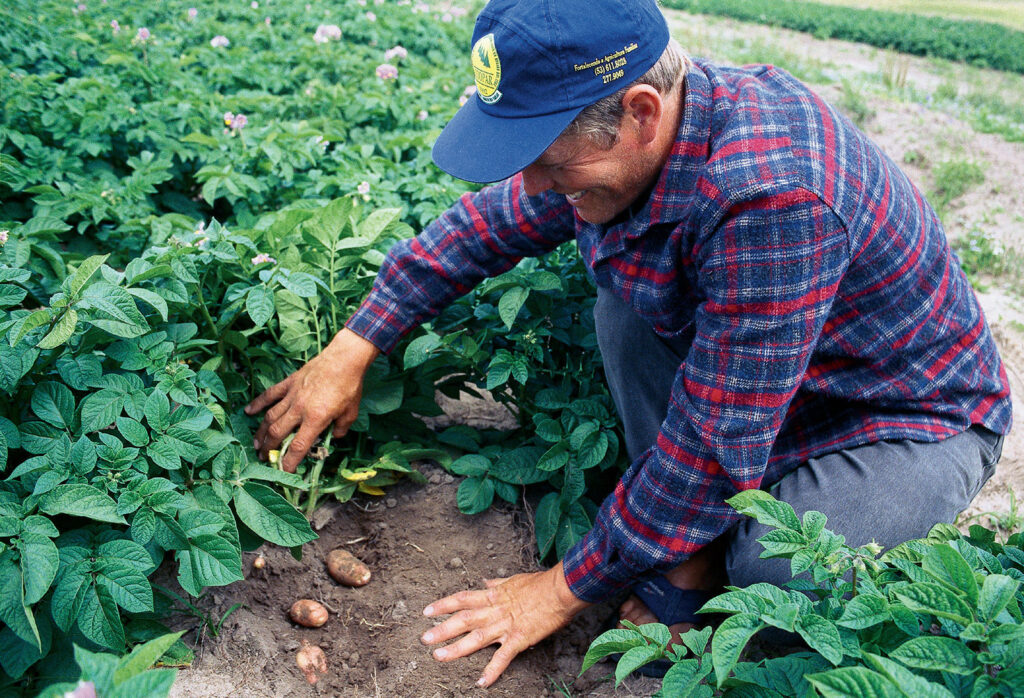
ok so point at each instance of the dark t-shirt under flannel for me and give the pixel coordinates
(823, 307)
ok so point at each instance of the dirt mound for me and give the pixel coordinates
(420, 549)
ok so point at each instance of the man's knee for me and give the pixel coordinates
(743, 562)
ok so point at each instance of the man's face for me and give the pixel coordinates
(598, 183)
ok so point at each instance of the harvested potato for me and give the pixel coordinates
(308, 613)
(312, 661)
(346, 568)
(259, 563)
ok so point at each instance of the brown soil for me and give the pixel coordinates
(421, 548)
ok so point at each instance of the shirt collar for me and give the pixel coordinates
(673, 194)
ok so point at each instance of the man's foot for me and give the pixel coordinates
(675, 598)
(635, 611)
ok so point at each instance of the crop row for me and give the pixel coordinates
(979, 43)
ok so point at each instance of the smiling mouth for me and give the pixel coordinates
(574, 197)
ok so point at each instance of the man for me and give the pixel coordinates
(777, 308)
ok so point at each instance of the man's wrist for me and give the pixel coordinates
(563, 593)
(357, 349)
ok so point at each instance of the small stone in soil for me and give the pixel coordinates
(501, 572)
(354, 658)
(455, 563)
(490, 546)
(435, 479)
(448, 479)
(400, 610)
(391, 502)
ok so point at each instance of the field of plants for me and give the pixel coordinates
(193, 199)
(1007, 12)
(980, 43)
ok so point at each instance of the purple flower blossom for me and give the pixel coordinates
(371, 17)
(219, 41)
(363, 188)
(326, 32)
(81, 7)
(396, 52)
(142, 36)
(421, 7)
(4, 235)
(460, 11)
(254, 5)
(115, 26)
(386, 71)
(421, 115)
(263, 258)
(447, 17)
(266, 20)
(235, 121)
(193, 13)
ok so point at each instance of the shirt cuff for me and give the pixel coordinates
(381, 321)
(594, 570)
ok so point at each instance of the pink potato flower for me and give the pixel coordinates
(193, 13)
(84, 689)
(326, 32)
(220, 41)
(371, 17)
(386, 71)
(4, 235)
(396, 52)
(263, 258)
(143, 35)
(115, 26)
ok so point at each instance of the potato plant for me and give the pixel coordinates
(192, 202)
(940, 616)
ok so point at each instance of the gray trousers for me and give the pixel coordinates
(889, 491)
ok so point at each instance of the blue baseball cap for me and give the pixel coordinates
(537, 64)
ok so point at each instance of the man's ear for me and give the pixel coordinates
(643, 109)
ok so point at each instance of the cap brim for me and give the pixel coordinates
(478, 147)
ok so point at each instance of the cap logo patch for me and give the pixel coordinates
(487, 69)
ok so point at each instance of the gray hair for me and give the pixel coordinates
(600, 121)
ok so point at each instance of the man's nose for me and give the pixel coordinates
(535, 181)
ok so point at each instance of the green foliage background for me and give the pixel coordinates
(162, 266)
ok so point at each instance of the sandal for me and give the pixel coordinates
(670, 605)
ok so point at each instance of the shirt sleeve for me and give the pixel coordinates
(768, 274)
(483, 234)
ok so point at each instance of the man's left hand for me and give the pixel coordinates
(515, 613)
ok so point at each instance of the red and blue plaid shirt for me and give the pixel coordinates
(826, 308)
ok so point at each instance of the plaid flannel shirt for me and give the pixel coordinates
(823, 306)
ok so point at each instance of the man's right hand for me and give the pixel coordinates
(324, 391)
